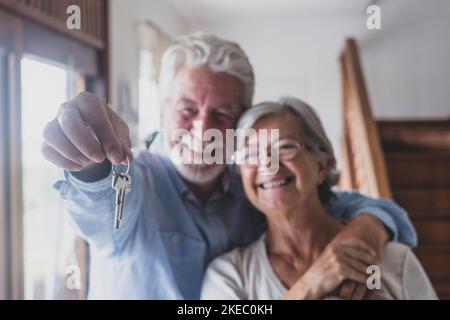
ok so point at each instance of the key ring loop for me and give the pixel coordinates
(126, 172)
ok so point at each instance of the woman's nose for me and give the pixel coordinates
(268, 163)
(265, 159)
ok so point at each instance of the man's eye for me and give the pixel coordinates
(188, 112)
(223, 116)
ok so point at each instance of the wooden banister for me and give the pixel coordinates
(365, 169)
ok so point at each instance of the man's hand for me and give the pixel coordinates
(84, 134)
(373, 232)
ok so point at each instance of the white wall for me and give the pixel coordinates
(124, 55)
(406, 64)
(297, 57)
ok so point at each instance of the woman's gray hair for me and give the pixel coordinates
(202, 49)
(310, 126)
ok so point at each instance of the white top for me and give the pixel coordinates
(246, 273)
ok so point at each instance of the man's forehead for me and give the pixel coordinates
(203, 81)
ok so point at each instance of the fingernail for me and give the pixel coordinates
(99, 157)
(76, 168)
(116, 157)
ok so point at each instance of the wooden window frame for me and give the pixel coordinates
(11, 242)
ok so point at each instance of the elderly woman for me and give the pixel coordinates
(294, 259)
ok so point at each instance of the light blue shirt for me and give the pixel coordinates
(168, 237)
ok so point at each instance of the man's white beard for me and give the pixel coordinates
(200, 174)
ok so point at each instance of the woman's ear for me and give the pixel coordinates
(323, 165)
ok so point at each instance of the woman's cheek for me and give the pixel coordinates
(248, 178)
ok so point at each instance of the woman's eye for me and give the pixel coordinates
(250, 156)
(251, 160)
(287, 147)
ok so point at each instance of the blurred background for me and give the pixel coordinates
(382, 94)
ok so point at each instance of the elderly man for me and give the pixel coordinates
(178, 217)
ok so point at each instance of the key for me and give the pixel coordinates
(122, 185)
(121, 182)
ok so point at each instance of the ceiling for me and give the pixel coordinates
(214, 10)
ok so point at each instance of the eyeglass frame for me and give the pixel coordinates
(237, 154)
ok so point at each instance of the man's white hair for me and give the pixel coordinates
(217, 54)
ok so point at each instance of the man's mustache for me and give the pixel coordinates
(197, 145)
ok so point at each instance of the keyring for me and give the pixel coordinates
(128, 168)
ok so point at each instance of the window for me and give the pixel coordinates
(4, 281)
(148, 96)
(48, 241)
(152, 42)
(42, 64)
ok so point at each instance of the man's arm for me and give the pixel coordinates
(85, 137)
(368, 228)
(91, 208)
(94, 172)
(373, 220)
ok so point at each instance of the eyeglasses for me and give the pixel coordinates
(283, 150)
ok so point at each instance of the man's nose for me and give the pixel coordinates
(203, 121)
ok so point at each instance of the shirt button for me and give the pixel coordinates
(175, 239)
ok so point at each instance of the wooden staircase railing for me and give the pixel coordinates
(363, 159)
(407, 160)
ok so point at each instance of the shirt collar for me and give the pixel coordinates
(226, 180)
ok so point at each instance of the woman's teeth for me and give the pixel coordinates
(276, 184)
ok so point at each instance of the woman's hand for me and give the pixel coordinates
(372, 231)
(347, 259)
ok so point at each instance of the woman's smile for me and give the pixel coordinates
(276, 183)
